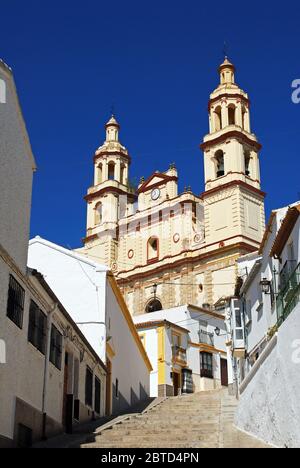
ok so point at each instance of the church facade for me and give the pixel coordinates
(168, 248)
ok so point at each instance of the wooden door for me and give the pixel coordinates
(224, 373)
(176, 383)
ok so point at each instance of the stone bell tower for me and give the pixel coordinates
(233, 200)
(110, 198)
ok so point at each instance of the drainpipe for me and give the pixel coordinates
(46, 369)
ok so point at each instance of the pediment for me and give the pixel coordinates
(155, 180)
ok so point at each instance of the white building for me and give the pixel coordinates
(90, 292)
(39, 342)
(266, 332)
(182, 342)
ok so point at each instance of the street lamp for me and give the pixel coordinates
(218, 332)
(154, 290)
(265, 286)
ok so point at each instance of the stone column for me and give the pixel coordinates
(238, 115)
(105, 169)
(224, 109)
(118, 170)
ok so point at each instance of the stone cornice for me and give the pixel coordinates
(185, 260)
(228, 96)
(107, 154)
(92, 196)
(234, 134)
(231, 184)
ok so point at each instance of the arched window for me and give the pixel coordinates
(100, 172)
(153, 306)
(218, 119)
(247, 162)
(98, 213)
(153, 249)
(111, 171)
(231, 114)
(219, 159)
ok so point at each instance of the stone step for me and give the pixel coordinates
(203, 420)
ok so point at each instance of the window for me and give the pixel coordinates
(100, 174)
(98, 213)
(37, 327)
(219, 159)
(231, 115)
(153, 306)
(89, 387)
(218, 119)
(56, 347)
(97, 395)
(15, 302)
(152, 249)
(176, 340)
(111, 171)
(206, 365)
(247, 158)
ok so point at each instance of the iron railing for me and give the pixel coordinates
(286, 272)
(289, 294)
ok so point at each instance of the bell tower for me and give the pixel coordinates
(110, 198)
(233, 200)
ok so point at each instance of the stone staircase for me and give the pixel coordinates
(201, 420)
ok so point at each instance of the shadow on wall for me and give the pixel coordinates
(120, 403)
(143, 393)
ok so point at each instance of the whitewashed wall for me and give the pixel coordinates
(22, 377)
(188, 318)
(128, 366)
(269, 407)
(151, 346)
(17, 166)
(82, 287)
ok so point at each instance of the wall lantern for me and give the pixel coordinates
(154, 290)
(218, 332)
(265, 286)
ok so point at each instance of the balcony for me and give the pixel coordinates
(287, 270)
(289, 294)
(206, 338)
(179, 355)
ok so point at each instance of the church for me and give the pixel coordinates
(167, 248)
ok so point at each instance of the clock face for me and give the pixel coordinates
(155, 194)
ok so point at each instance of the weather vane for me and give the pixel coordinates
(112, 109)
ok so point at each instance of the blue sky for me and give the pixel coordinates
(157, 62)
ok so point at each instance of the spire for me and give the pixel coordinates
(227, 70)
(112, 129)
